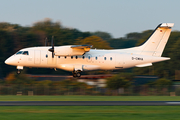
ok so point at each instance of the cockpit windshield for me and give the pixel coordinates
(22, 52)
(25, 53)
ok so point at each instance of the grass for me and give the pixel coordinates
(88, 98)
(90, 112)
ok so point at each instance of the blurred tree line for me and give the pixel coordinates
(14, 37)
(119, 84)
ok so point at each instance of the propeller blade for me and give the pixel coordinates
(52, 54)
(52, 42)
(52, 49)
(53, 46)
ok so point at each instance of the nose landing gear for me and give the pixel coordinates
(77, 74)
(19, 69)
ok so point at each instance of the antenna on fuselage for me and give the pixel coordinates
(52, 49)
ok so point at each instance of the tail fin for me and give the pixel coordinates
(155, 44)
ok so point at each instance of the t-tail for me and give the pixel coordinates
(156, 43)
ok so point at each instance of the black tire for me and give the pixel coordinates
(18, 71)
(74, 75)
(78, 74)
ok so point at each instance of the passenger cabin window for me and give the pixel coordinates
(58, 56)
(76, 57)
(110, 58)
(89, 57)
(83, 57)
(46, 56)
(104, 58)
(71, 57)
(25, 53)
(96, 58)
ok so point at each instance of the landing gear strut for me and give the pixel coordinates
(19, 69)
(76, 74)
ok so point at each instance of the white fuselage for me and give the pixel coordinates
(92, 60)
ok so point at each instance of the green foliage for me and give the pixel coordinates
(119, 81)
(120, 43)
(20, 79)
(144, 37)
(177, 91)
(134, 35)
(96, 41)
(44, 82)
(90, 112)
(163, 82)
(103, 35)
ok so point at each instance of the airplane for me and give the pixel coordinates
(79, 58)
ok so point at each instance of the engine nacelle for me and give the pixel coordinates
(68, 51)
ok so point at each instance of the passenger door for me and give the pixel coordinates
(37, 56)
(119, 61)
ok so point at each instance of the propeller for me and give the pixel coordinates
(52, 49)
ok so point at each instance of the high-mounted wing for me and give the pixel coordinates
(72, 50)
(85, 47)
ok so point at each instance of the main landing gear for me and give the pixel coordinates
(76, 74)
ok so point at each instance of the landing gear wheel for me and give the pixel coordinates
(18, 71)
(76, 74)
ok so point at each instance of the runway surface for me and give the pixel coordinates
(89, 103)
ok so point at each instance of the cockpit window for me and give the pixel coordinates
(20, 52)
(25, 53)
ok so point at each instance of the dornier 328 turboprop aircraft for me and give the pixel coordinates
(78, 58)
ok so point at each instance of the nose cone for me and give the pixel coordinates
(9, 61)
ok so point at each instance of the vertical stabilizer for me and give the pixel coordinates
(156, 43)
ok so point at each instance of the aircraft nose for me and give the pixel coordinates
(9, 61)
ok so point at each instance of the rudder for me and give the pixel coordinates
(156, 43)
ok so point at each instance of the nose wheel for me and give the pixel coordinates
(76, 74)
(18, 71)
